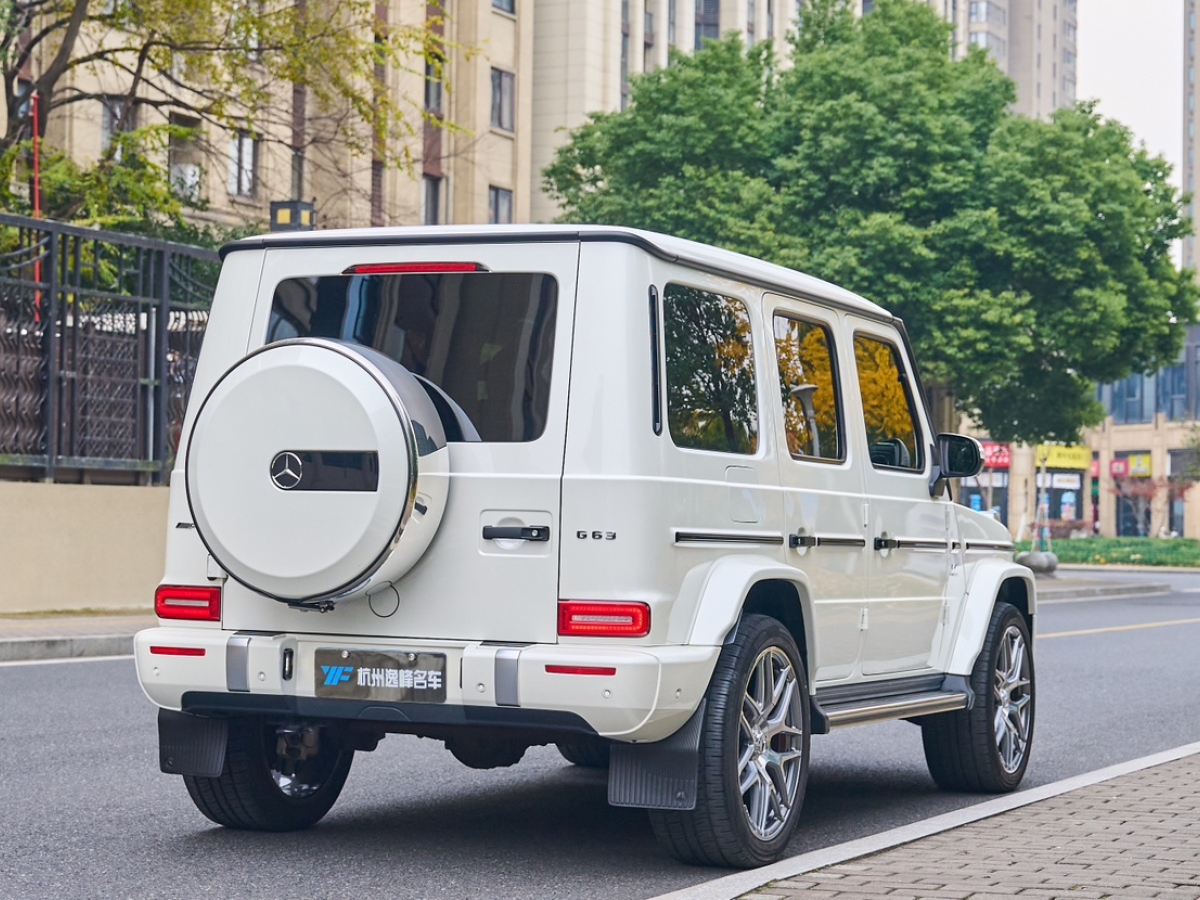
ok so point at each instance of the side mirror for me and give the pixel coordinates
(961, 456)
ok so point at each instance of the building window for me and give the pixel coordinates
(987, 11)
(500, 202)
(1068, 57)
(431, 200)
(771, 19)
(503, 99)
(624, 54)
(708, 21)
(243, 164)
(712, 402)
(116, 120)
(508, 6)
(433, 88)
(184, 157)
(988, 41)
(751, 15)
(671, 18)
(868, 6)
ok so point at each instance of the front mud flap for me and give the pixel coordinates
(191, 745)
(660, 775)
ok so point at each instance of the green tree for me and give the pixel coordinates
(246, 64)
(1028, 259)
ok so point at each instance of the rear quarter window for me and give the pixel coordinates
(711, 392)
(484, 339)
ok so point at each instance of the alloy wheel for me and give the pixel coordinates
(1011, 691)
(770, 744)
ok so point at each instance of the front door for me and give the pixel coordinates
(909, 532)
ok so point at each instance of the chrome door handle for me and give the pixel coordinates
(882, 543)
(516, 533)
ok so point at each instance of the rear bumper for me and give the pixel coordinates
(651, 694)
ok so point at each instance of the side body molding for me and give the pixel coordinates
(986, 578)
(719, 588)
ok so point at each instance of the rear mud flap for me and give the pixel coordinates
(191, 745)
(661, 775)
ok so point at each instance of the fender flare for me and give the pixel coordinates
(983, 587)
(717, 591)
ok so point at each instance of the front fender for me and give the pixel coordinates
(983, 586)
(716, 591)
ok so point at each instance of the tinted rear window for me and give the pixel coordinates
(485, 338)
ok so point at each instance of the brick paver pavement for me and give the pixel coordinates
(1136, 836)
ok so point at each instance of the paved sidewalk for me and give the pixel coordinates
(60, 637)
(1135, 836)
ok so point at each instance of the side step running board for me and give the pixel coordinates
(902, 707)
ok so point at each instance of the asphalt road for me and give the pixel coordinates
(84, 811)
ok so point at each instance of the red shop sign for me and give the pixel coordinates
(996, 455)
(1118, 468)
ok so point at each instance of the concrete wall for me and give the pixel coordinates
(80, 546)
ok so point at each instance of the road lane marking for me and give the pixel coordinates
(1137, 627)
(724, 887)
(62, 659)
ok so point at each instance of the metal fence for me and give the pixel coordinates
(99, 335)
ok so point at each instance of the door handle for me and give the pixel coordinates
(516, 533)
(796, 541)
(882, 543)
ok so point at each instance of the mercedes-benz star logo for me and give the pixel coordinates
(286, 470)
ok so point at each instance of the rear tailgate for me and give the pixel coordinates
(500, 347)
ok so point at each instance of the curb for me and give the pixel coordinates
(21, 649)
(732, 886)
(1120, 589)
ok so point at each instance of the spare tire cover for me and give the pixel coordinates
(304, 467)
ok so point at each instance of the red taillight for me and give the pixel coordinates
(413, 268)
(582, 670)
(177, 651)
(184, 602)
(583, 619)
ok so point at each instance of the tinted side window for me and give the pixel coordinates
(486, 339)
(887, 405)
(711, 401)
(808, 383)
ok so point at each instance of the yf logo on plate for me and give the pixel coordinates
(335, 675)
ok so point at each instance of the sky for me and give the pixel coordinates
(1130, 58)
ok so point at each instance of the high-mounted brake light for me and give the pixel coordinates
(578, 618)
(177, 651)
(188, 602)
(413, 268)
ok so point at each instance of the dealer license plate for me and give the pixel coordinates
(371, 675)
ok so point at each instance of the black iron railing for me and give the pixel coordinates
(99, 334)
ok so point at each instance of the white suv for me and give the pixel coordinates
(670, 508)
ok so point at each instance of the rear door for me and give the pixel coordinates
(821, 478)
(495, 344)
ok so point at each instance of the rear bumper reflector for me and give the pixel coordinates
(177, 651)
(582, 670)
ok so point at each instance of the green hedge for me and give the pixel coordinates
(1126, 551)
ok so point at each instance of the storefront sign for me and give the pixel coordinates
(1053, 456)
(1119, 468)
(996, 455)
(1068, 481)
(1095, 469)
(1139, 465)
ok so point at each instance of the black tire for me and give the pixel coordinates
(252, 793)
(719, 831)
(590, 753)
(962, 748)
